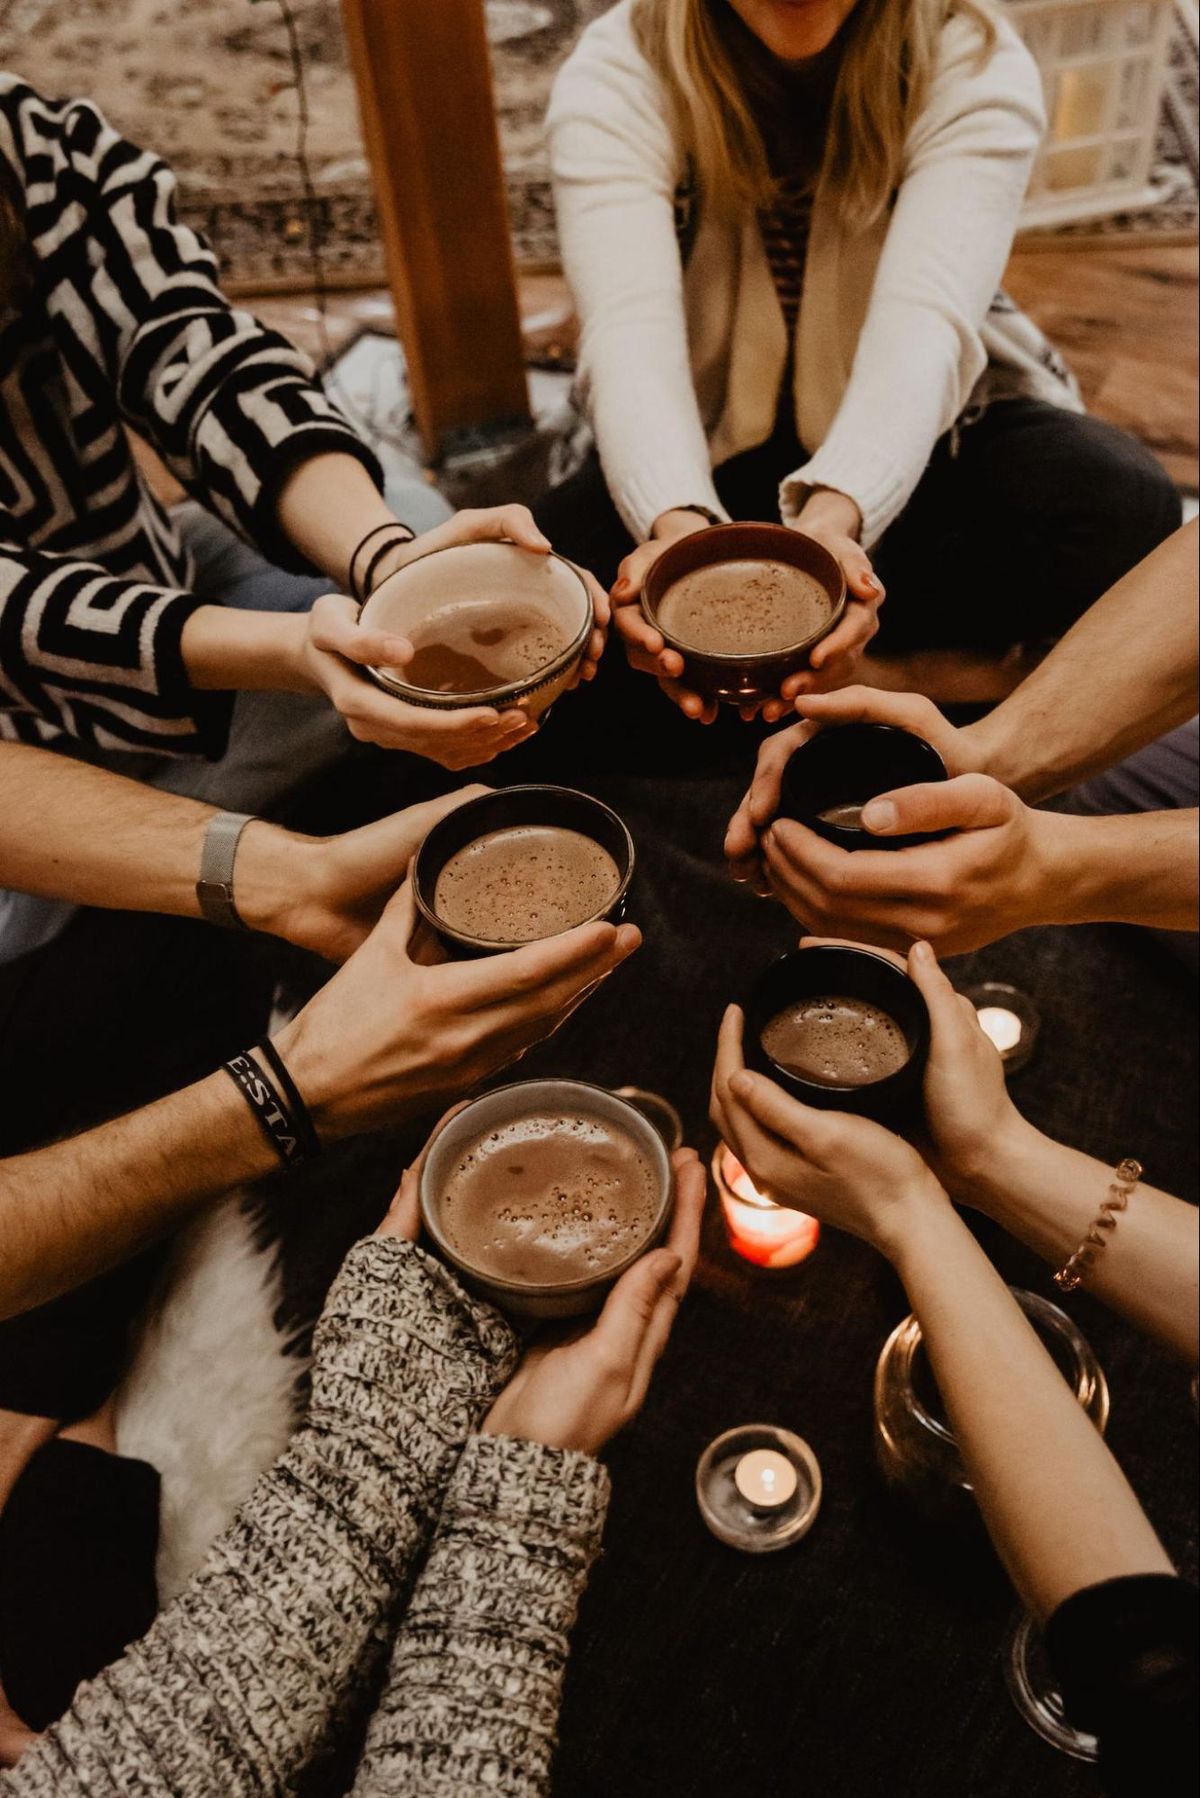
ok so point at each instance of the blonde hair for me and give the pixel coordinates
(883, 78)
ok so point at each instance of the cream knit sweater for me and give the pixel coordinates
(681, 368)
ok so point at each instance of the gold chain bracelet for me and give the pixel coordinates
(1125, 1180)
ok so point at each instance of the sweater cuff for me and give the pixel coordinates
(521, 1483)
(1121, 1642)
(274, 419)
(641, 500)
(869, 477)
(397, 1332)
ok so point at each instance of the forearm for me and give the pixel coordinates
(325, 507)
(226, 650)
(1058, 1508)
(72, 1210)
(240, 1678)
(1123, 675)
(1049, 1196)
(1135, 868)
(476, 1673)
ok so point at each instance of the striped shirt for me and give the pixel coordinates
(123, 325)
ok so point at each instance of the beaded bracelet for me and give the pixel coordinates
(1125, 1180)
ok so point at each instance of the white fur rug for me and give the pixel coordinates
(210, 1397)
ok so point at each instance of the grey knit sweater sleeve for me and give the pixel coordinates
(471, 1698)
(237, 1681)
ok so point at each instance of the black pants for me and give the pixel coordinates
(118, 1010)
(1020, 521)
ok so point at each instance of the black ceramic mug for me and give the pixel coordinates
(847, 764)
(561, 807)
(835, 970)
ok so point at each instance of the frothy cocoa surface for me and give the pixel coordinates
(476, 644)
(836, 1041)
(744, 608)
(525, 882)
(550, 1198)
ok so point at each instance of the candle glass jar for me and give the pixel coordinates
(1034, 1691)
(759, 1230)
(732, 1516)
(1009, 1018)
(914, 1445)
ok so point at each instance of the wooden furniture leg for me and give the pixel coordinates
(423, 75)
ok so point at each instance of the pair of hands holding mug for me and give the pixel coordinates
(337, 649)
(1005, 866)
(835, 521)
(577, 1386)
(850, 1172)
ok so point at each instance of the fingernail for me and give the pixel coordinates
(741, 1083)
(922, 950)
(879, 814)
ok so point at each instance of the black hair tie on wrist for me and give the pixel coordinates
(361, 589)
(281, 1115)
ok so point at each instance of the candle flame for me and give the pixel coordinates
(761, 1231)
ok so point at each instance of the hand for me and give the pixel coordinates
(576, 1391)
(15, 1736)
(835, 521)
(328, 893)
(337, 646)
(1005, 867)
(852, 705)
(645, 647)
(970, 1116)
(387, 1037)
(845, 1170)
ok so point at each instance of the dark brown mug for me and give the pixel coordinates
(743, 679)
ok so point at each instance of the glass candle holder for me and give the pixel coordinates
(761, 1231)
(1034, 1691)
(758, 1487)
(914, 1445)
(1009, 1018)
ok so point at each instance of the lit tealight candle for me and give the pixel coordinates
(1009, 1019)
(1003, 1027)
(761, 1231)
(765, 1478)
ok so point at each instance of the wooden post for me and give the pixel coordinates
(423, 75)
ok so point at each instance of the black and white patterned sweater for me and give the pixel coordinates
(239, 1682)
(122, 324)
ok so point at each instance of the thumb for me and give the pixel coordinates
(969, 802)
(629, 1309)
(334, 627)
(948, 1022)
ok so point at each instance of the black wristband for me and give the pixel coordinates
(300, 1114)
(360, 589)
(292, 1137)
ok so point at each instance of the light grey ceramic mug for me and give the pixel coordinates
(503, 1106)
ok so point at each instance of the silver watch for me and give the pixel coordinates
(214, 889)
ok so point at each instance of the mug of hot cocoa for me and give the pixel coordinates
(520, 864)
(743, 604)
(490, 624)
(843, 1029)
(541, 1194)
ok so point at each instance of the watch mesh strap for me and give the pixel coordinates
(214, 889)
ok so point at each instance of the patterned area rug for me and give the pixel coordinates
(208, 83)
